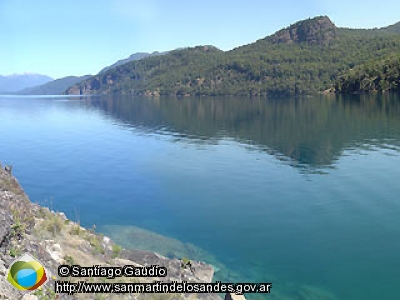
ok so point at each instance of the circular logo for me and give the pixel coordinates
(27, 274)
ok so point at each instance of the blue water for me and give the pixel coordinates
(303, 193)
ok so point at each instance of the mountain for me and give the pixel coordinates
(133, 57)
(16, 82)
(393, 28)
(58, 86)
(306, 57)
(122, 76)
(318, 31)
(376, 75)
(55, 87)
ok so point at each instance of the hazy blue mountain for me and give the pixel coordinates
(17, 82)
(133, 57)
(55, 87)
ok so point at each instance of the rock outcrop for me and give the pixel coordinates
(317, 31)
(55, 240)
(87, 87)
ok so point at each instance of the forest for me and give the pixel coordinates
(309, 56)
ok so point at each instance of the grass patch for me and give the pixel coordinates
(76, 230)
(50, 225)
(21, 219)
(18, 229)
(69, 260)
(116, 250)
(15, 252)
(94, 241)
(54, 225)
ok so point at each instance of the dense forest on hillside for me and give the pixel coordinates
(309, 56)
(377, 75)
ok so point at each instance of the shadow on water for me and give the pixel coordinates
(308, 133)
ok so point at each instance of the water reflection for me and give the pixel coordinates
(309, 133)
(314, 237)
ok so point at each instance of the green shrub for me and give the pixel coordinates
(54, 225)
(116, 250)
(76, 230)
(69, 260)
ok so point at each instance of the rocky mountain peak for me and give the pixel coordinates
(316, 31)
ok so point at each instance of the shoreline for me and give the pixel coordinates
(26, 227)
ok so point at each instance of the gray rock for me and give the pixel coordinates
(7, 291)
(3, 269)
(30, 297)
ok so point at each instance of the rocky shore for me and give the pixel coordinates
(55, 240)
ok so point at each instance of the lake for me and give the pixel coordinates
(300, 192)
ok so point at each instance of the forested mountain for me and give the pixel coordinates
(393, 28)
(133, 57)
(54, 87)
(376, 75)
(306, 57)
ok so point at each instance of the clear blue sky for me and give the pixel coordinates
(77, 37)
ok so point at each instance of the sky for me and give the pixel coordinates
(78, 37)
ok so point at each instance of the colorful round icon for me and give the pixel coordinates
(27, 274)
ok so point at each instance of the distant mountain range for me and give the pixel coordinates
(48, 86)
(55, 87)
(16, 82)
(309, 56)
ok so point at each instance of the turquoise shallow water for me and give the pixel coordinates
(302, 193)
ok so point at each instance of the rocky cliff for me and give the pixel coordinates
(55, 240)
(317, 31)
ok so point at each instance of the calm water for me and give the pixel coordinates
(303, 193)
